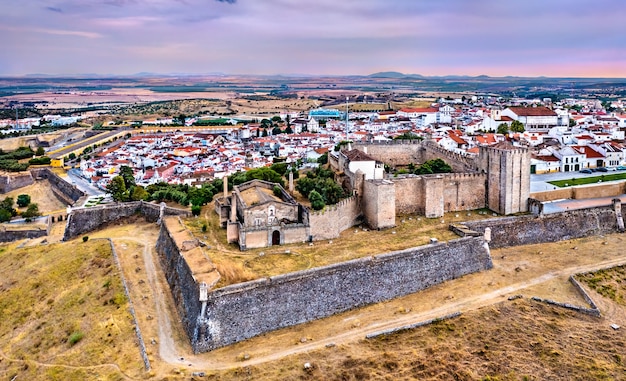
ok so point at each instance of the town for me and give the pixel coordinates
(567, 136)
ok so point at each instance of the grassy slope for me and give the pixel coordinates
(49, 293)
(518, 340)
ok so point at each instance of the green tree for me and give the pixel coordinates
(31, 212)
(434, 166)
(117, 188)
(23, 200)
(40, 151)
(139, 193)
(503, 128)
(127, 174)
(281, 168)
(72, 156)
(276, 131)
(317, 201)
(517, 126)
(5, 215)
(276, 119)
(7, 204)
(323, 159)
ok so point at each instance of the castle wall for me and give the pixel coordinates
(525, 230)
(458, 161)
(81, 221)
(238, 312)
(432, 188)
(396, 152)
(184, 287)
(68, 192)
(464, 191)
(450, 193)
(409, 194)
(379, 204)
(333, 219)
(10, 181)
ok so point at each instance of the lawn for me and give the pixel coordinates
(588, 180)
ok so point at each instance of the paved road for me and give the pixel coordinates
(83, 184)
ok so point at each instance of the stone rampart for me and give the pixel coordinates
(14, 180)
(183, 286)
(461, 191)
(67, 192)
(238, 312)
(525, 230)
(333, 219)
(460, 162)
(395, 152)
(83, 220)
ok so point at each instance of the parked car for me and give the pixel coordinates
(611, 169)
(602, 169)
(621, 168)
(586, 170)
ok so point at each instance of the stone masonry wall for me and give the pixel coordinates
(238, 312)
(183, 285)
(397, 152)
(12, 181)
(84, 220)
(461, 191)
(330, 222)
(525, 230)
(66, 189)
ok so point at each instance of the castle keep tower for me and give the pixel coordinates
(508, 177)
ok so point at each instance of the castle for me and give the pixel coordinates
(260, 214)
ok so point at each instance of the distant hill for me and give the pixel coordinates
(394, 74)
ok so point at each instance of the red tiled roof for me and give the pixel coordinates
(532, 111)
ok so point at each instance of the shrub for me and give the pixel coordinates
(75, 337)
(195, 210)
(85, 238)
(204, 228)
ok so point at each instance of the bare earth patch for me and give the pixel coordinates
(41, 194)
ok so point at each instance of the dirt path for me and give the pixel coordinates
(461, 305)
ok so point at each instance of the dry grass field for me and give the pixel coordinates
(64, 314)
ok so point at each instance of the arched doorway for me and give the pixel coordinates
(275, 238)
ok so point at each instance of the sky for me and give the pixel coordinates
(554, 38)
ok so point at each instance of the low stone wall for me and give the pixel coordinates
(10, 181)
(238, 312)
(582, 192)
(9, 233)
(525, 230)
(81, 221)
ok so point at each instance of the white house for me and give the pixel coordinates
(534, 119)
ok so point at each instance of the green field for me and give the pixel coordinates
(588, 180)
